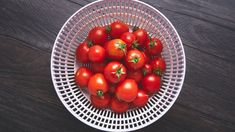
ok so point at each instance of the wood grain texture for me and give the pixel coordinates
(28, 101)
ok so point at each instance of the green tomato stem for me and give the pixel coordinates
(157, 72)
(99, 93)
(108, 29)
(89, 44)
(135, 60)
(151, 44)
(135, 44)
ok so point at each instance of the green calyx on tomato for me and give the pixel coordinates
(108, 29)
(157, 72)
(144, 72)
(135, 44)
(134, 60)
(119, 72)
(121, 46)
(151, 44)
(89, 44)
(100, 93)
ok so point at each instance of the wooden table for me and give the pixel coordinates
(28, 101)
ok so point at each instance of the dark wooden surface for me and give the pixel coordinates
(28, 101)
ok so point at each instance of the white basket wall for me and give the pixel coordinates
(101, 13)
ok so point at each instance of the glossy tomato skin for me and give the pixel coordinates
(136, 75)
(141, 99)
(118, 106)
(147, 69)
(130, 40)
(82, 53)
(117, 29)
(146, 56)
(116, 49)
(141, 36)
(115, 72)
(98, 67)
(159, 66)
(151, 83)
(97, 85)
(82, 76)
(127, 90)
(100, 101)
(96, 53)
(154, 46)
(97, 35)
(134, 59)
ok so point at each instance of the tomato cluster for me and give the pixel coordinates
(122, 74)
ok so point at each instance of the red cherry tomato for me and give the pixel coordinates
(118, 106)
(82, 76)
(96, 53)
(159, 66)
(98, 35)
(100, 101)
(151, 83)
(116, 49)
(98, 67)
(82, 52)
(127, 90)
(147, 69)
(154, 46)
(135, 59)
(97, 85)
(141, 36)
(130, 40)
(146, 56)
(115, 72)
(117, 29)
(136, 75)
(141, 99)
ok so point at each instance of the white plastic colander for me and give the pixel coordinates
(101, 13)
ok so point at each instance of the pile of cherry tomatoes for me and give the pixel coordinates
(121, 74)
